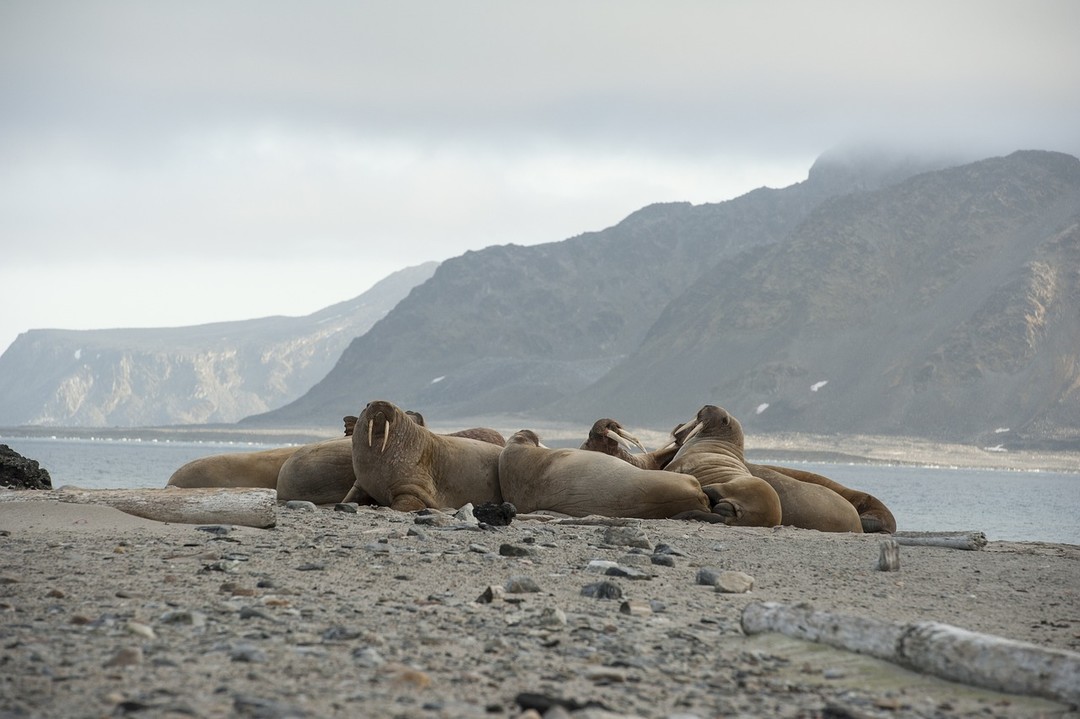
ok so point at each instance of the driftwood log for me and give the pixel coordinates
(949, 540)
(247, 507)
(933, 648)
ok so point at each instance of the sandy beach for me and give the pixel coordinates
(385, 614)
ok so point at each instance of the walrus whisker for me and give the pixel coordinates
(386, 436)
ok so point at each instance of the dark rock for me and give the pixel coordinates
(495, 515)
(18, 472)
(602, 590)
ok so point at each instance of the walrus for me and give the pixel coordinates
(237, 469)
(873, 514)
(321, 472)
(711, 451)
(610, 437)
(405, 466)
(802, 504)
(580, 482)
(484, 434)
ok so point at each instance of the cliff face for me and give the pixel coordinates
(215, 373)
(945, 306)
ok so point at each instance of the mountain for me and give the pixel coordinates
(534, 331)
(946, 306)
(213, 373)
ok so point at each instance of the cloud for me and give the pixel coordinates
(391, 133)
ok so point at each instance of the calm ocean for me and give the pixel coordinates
(1005, 505)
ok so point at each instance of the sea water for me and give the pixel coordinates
(1007, 505)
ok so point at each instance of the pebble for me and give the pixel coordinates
(732, 582)
(514, 550)
(627, 537)
(302, 505)
(126, 657)
(140, 629)
(347, 507)
(602, 590)
(521, 585)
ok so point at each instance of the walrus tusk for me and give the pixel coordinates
(353, 491)
(624, 439)
(631, 438)
(386, 436)
(693, 432)
(370, 424)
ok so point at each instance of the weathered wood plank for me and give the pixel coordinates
(250, 507)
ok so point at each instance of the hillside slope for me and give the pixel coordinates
(214, 373)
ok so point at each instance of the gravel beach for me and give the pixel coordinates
(377, 613)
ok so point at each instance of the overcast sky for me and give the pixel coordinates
(171, 163)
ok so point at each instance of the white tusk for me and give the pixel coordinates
(386, 436)
(353, 491)
(697, 428)
(633, 439)
(370, 423)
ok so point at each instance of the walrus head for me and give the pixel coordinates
(609, 437)
(713, 422)
(525, 436)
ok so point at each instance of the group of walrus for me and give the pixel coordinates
(390, 458)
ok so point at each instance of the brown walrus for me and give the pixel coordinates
(238, 469)
(873, 514)
(407, 467)
(484, 434)
(579, 482)
(711, 451)
(321, 472)
(803, 504)
(610, 437)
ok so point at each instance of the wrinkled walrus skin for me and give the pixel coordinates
(873, 514)
(240, 469)
(579, 482)
(320, 472)
(803, 504)
(711, 453)
(406, 467)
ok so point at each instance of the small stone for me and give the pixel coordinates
(434, 518)
(731, 582)
(551, 618)
(218, 530)
(129, 656)
(302, 505)
(889, 559)
(247, 653)
(521, 585)
(402, 674)
(602, 590)
(605, 675)
(491, 594)
(223, 565)
(628, 573)
(635, 608)
(514, 550)
(707, 576)
(627, 537)
(663, 560)
(600, 566)
(347, 507)
(479, 549)
(55, 594)
(311, 567)
(140, 629)
(465, 514)
(185, 617)
(368, 657)
(495, 515)
(665, 549)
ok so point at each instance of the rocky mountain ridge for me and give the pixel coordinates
(213, 373)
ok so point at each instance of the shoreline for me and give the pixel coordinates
(384, 613)
(797, 447)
